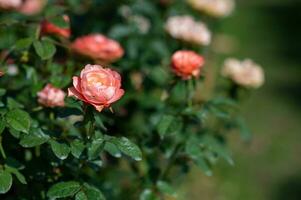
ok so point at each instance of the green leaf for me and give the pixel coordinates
(217, 147)
(164, 124)
(93, 193)
(165, 188)
(63, 189)
(203, 165)
(23, 43)
(81, 196)
(2, 92)
(6, 181)
(77, 147)
(12, 104)
(34, 139)
(59, 21)
(14, 132)
(19, 120)
(194, 151)
(95, 148)
(61, 150)
(54, 10)
(16, 172)
(45, 49)
(127, 147)
(148, 194)
(112, 149)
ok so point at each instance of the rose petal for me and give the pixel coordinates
(73, 92)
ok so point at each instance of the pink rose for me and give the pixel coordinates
(49, 28)
(51, 96)
(187, 64)
(97, 86)
(98, 47)
(32, 7)
(1, 73)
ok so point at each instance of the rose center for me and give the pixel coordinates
(98, 80)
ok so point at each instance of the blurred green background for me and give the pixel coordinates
(268, 31)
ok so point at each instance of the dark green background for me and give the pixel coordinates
(269, 32)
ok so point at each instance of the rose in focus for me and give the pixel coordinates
(97, 86)
(187, 64)
(49, 28)
(51, 96)
(245, 73)
(98, 47)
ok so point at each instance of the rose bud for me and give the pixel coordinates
(51, 96)
(185, 28)
(10, 4)
(49, 28)
(32, 7)
(245, 73)
(215, 8)
(1, 73)
(187, 64)
(97, 86)
(98, 47)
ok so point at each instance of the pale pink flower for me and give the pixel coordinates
(98, 47)
(187, 64)
(215, 8)
(187, 29)
(10, 4)
(245, 73)
(97, 86)
(51, 96)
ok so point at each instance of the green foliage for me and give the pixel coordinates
(6, 181)
(63, 189)
(158, 130)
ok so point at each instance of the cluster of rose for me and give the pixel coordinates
(144, 103)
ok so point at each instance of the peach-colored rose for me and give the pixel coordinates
(32, 7)
(1, 73)
(187, 64)
(98, 47)
(51, 96)
(10, 4)
(49, 28)
(97, 86)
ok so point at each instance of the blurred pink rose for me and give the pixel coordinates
(1, 73)
(10, 4)
(98, 47)
(51, 96)
(49, 28)
(97, 86)
(32, 7)
(187, 64)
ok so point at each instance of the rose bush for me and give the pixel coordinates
(149, 63)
